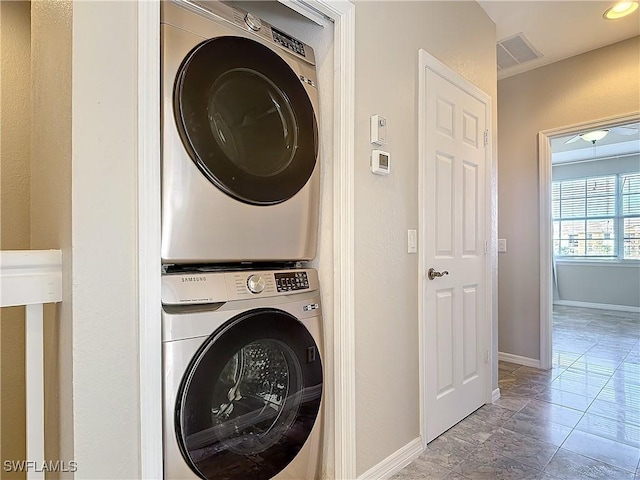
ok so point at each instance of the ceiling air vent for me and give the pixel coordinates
(515, 50)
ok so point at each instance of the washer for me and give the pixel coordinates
(240, 173)
(242, 375)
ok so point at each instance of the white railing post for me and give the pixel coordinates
(34, 366)
(32, 278)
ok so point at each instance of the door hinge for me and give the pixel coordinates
(486, 247)
(486, 356)
(486, 137)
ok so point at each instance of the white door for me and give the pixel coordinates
(453, 152)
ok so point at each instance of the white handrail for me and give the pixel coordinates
(32, 278)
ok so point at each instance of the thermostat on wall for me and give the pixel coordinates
(380, 162)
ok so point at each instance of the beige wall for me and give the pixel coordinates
(388, 37)
(51, 203)
(15, 117)
(598, 84)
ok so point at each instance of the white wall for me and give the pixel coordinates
(388, 38)
(104, 230)
(598, 84)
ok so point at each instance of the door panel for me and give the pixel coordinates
(454, 159)
(445, 346)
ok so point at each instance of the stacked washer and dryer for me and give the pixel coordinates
(241, 319)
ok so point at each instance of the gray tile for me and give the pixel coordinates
(566, 399)
(565, 385)
(422, 467)
(591, 364)
(535, 375)
(523, 448)
(563, 359)
(593, 380)
(553, 413)
(486, 464)
(511, 401)
(626, 433)
(493, 414)
(520, 386)
(572, 466)
(621, 392)
(612, 453)
(447, 451)
(472, 430)
(507, 366)
(455, 476)
(616, 411)
(549, 432)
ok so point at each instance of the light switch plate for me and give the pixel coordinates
(412, 241)
(502, 245)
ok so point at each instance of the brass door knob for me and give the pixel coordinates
(432, 274)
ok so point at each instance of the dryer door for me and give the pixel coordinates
(249, 398)
(246, 120)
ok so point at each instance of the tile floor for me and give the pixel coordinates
(579, 420)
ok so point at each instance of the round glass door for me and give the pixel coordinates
(246, 120)
(250, 397)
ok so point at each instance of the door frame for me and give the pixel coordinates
(342, 404)
(545, 219)
(426, 60)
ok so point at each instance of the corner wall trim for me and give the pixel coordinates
(394, 462)
(598, 306)
(495, 395)
(527, 362)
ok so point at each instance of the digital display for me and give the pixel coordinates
(288, 41)
(384, 161)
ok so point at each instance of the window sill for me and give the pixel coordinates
(598, 262)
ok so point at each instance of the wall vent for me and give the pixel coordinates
(515, 50)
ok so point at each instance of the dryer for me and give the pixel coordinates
(243, 379)
(240, 173)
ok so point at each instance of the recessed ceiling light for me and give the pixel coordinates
(621, 9)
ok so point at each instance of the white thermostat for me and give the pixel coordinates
(378, 130)
(380, 162)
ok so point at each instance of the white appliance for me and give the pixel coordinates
(242, 375)
(240, 173)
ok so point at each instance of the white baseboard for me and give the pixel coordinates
(599, 306)
(495, 395)
(394, 462)
(527, 362)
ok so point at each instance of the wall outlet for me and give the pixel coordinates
(502, 245)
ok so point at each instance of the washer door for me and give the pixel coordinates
(249, 398)
(246, 120)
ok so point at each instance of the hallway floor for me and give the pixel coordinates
(579, 420)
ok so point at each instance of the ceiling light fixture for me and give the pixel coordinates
(594, 136)
(621, 9)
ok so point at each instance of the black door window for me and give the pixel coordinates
(249, 398)
(246, 120)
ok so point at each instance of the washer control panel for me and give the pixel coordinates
(290, 281)
(199, 287)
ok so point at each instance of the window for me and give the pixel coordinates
(597, 217)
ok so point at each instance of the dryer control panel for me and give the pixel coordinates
(290, 281)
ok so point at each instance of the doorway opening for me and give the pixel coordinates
(589, 231)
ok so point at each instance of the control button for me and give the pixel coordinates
(253, 22)
(255, 283)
